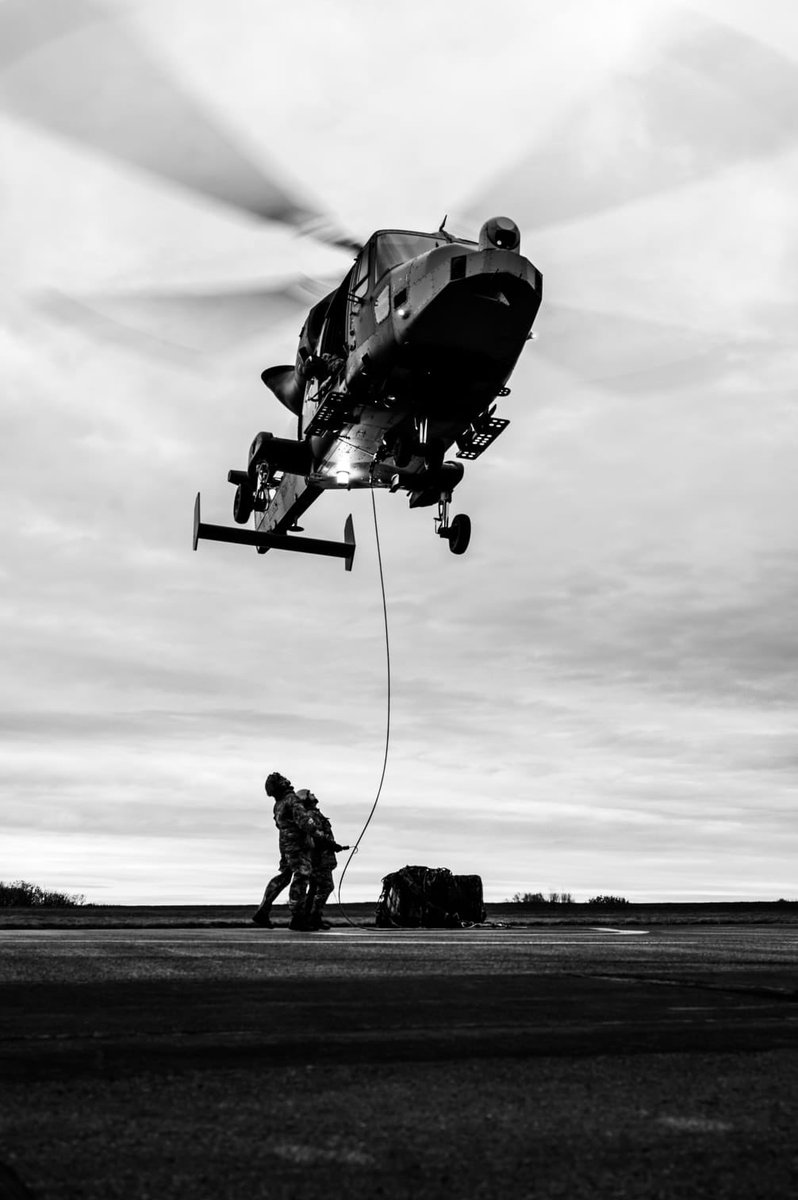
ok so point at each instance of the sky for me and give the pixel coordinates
(601, 695)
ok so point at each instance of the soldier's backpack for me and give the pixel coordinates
(429, 897)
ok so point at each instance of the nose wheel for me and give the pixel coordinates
(458, 533)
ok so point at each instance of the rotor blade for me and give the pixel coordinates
(102, 327)
(322, 229)
(710, 98)
(74, 71)
(28, 24)
(626, 354)
(181, 323)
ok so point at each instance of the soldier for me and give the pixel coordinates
(323, 861)
(295, 831)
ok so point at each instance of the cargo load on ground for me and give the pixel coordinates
(429, 897)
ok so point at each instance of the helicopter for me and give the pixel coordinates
(392, 397)
(404, 360)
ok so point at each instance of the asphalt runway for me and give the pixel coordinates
(528, 1062)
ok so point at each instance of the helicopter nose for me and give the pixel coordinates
(499, 233)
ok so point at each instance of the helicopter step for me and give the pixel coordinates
(331, 414)
(277, 541)
(476, 440)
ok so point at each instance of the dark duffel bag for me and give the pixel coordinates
(429, 897)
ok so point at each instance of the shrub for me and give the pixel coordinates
(608, 901)
(539, 898)
(21, 894)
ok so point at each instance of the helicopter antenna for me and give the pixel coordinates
(444, 232)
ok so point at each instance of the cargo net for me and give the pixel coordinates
(429, 897)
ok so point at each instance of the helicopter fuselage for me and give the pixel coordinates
(403, 360)
(424, 349)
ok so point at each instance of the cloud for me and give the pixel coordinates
(600, 694)
(697, 98)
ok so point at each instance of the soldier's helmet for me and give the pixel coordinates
(305, 795)
(276, 784)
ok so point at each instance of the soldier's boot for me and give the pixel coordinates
(316, 924)
(261, 918)
(299, 924)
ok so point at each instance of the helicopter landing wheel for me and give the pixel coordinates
(242, 504)
(459, 534)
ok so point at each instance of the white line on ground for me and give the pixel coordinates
(621, 932)
(394, 937)
(293, 940)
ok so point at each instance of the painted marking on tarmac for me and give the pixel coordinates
(435, 942)
(167, 939)
(620, 932)
(395, 937)
(695, 1124)
(303, 940)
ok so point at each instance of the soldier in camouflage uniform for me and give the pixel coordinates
(323, 861)
(295, 831)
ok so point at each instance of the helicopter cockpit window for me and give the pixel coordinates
(316, 318)
(360, 278)
(391, 249)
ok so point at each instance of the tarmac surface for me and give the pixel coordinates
(524, 1062)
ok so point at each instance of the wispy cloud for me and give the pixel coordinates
(600, 696)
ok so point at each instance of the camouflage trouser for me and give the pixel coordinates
(295, 868)
(321, 885)
(276, 885)
(295, 850)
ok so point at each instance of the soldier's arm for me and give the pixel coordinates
(302, 818)
(325, 835)
(328, 840)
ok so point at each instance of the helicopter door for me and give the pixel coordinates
(360, 322)
(333, 337)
